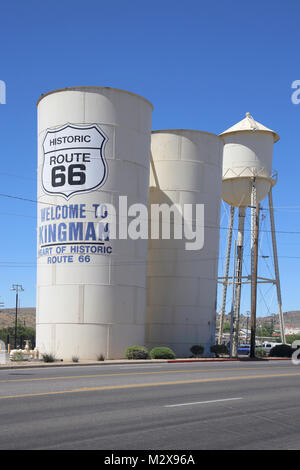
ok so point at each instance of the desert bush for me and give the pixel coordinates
(162, 353)
(137, 352)
(48, 357)
(260, 352)
(281, 350)
(197, 350)
(17, 356)
(218, 349)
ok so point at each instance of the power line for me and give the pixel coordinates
(10, 196)
(14, 175)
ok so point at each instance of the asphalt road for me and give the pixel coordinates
(184, 406)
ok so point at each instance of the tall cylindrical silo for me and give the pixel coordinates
(93, 147)
(186, 168)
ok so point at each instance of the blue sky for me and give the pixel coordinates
(201, 64)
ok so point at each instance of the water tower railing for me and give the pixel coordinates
(251, 172)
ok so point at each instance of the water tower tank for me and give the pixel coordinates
(186, 168)
(93, 146)
(248, 149)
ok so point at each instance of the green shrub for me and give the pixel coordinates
(197, 350)
(291, 338)
(260, 352)
(137, 352)
(17, 356)
(219, 349)
(22, 332)
(48, 357)
(162, 353)
(281, 350)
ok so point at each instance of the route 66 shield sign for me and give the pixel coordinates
(74, 160)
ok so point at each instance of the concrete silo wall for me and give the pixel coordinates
(186, 168)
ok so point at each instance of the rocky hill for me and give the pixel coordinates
(291, 320)
(27, 315)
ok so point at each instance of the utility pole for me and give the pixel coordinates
(17, 288)
(247, 335)
(254, 260)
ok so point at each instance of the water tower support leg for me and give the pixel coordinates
(226, 274)
(277, 279)
(232, 300)
(238, 286)
(254, 261)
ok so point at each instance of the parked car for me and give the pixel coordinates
(244, 349)
(268, 345)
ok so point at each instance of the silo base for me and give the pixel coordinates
(88, 342)
(180, 337)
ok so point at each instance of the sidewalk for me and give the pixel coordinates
(33, 364)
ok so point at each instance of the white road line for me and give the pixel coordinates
(203, 402)
(134, 366)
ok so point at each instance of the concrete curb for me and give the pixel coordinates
(77, 364)
(234, 359)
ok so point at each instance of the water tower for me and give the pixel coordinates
(247, 179)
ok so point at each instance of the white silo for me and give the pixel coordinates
(93, 146)
(247, 179)
(186, 168)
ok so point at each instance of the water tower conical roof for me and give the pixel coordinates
(249, 124)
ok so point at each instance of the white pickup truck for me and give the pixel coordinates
(268, 345)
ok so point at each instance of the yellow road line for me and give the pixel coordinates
(38, 379)
(155, 384)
